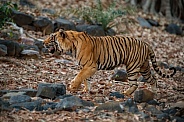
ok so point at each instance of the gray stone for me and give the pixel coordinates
(26, 3)
(65, 24)
(2, 92)
(29, 92)
(153, 22)
(131, 106)
(174, 29)
(50, 11)
(3, 50)
(153, 110)
(117, 95)
(21, 18)
(170, 111)
(44, 24)
(13, 48)
(30, 47)
(120, 75)
(143, 22)
(39, 44)
(9, 95)
(35, 105)
(110, 32)
(177, 119)
(163, 116)
(72, 103)
(94, 30)
(50, 105)
(41, 22)
(48, 90)
(30, 54)
(111, 106)
(19, 99)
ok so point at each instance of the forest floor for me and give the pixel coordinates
(169, 48)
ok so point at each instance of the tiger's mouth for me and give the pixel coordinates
(51, 49)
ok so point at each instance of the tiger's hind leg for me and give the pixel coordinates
(146, 73)
(132, 78)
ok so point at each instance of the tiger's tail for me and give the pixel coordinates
(156, 68)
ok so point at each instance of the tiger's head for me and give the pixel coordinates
(58, 41)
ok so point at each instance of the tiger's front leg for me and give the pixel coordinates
(85, 73)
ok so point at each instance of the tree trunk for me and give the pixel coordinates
(146, 6)
(152, 9)
(168, 9)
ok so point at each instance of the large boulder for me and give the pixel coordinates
(94, 30)
(3, 50)
(65, 24)
(13, 48)
(44, 24)
(49, 90)
(21, 18)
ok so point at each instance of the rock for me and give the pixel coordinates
(30, 54)
(21, 18)
(44, 24)
(49, 105)
(170, 111)
(29, 92)
(50, 11)
(9, 95)
(49, 90)
(153, 102)
(153, 110)
(153, 22)
(65, 24)
(2, 92)
(177, 119)
(163, 116)
(144, 116)
(94, 30)
(13, 48)
(143, 22)
(30, 47)
(116, 94)
(131, 106)
(143, 95)
(39, 44)
(120, 75)
(26, 3)
(3, 50)
(35, 105)
(110, 106)
(72, 103)
(19, 99)
(41, 22)
(173, 29)
(4, 105)
(64, 96)
(110, 32)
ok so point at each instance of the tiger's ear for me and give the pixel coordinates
(62, 33)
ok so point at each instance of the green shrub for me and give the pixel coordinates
(99, 15)
(5, 12)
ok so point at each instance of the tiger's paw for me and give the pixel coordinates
(130, 91)
(74, 86)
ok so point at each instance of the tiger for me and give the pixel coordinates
(105, 53)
